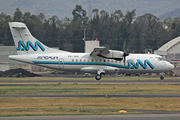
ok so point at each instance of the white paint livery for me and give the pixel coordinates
(99, 61)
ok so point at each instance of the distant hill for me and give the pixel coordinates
(64, 8)
(172, 14)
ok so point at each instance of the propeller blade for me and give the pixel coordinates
(124, 55)
(124, 60)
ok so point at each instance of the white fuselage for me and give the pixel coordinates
(99, 61)
(83, 62)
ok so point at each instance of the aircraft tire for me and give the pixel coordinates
(98, 77)
(162, 77)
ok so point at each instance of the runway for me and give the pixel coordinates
(168, 81)
(97, 96)
(100, 117)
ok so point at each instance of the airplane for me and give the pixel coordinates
(100, 61)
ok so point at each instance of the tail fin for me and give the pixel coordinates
(27, 44)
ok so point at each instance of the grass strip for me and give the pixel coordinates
(87, 89)
(78, 106)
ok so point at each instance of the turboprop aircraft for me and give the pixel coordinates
(100, 61)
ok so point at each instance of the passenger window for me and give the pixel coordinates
(95, 60)
(104, 60)
(84, 60)
(100, 60)
(76, 60)
(72, 60)
(80, 60)
(92, 60)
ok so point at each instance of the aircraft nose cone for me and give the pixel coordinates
(171, 67)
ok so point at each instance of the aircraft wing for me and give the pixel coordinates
(99, 50)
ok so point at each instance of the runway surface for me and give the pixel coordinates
(98, 96)
(100, 117)
(168, 81)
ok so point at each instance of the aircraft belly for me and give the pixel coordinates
(73, 68)
(141, 70)
(95, 69)
(135, 71)
(52, 66)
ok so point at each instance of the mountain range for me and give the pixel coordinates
(64, 8)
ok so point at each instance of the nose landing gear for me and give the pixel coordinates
(162, 77)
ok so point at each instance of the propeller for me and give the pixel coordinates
(125, 53)
(124, 56)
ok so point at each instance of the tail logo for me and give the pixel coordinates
(29, 44)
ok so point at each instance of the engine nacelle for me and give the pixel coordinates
(114, 54)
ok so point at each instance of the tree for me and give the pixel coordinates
(96, 12)
(151, 32)
(117, 15)
(5, 34)
(127, 22)
(17, 15)
(128, 18)
(167, 23)
(175, 31)
(26, 15)
(53, 31)
(113, 30)
(78, 24)
(78, 13)
(41, 17)
(135, 38)
(104, 17)
(95, 22)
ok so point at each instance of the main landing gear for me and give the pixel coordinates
(98, 77)
(99, 73)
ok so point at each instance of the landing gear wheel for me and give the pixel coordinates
(162, 77)
(98, 77)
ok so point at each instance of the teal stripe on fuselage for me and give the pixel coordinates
(79, 63)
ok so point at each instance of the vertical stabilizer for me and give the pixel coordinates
(27, 44)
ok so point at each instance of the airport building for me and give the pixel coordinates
(5, 63)
(90, 45)
(170, 51)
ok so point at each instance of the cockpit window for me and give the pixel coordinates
(159, 59)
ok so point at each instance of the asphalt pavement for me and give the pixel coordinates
(168, 81)
(98, 96)
(100, 117)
